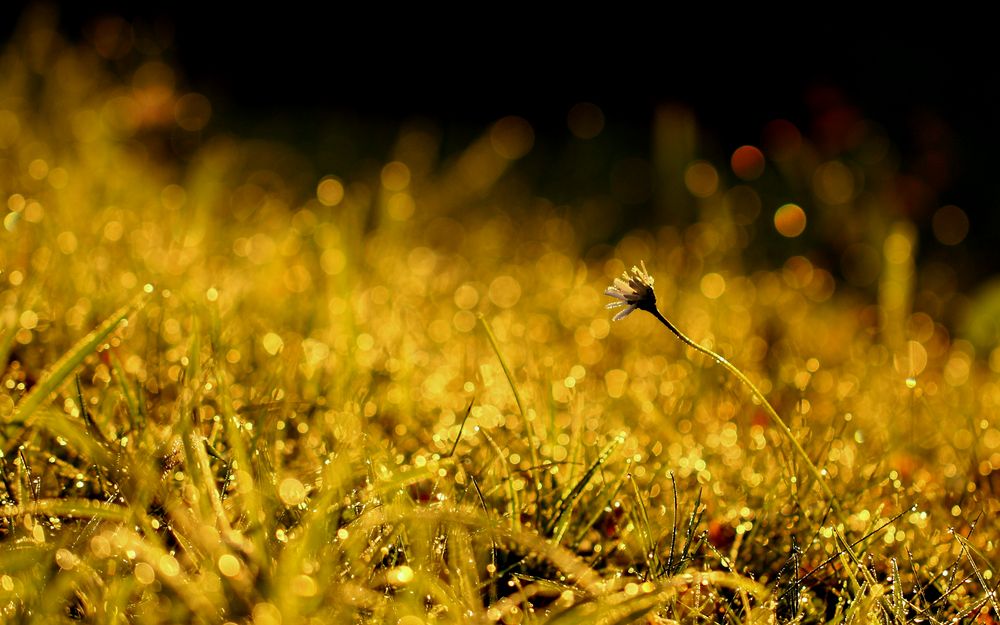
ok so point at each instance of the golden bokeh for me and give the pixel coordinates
(713, 285)
(330, 191)
(790, 220)
(834, 183)
(512, 137)
(395, 176)
(701, 179)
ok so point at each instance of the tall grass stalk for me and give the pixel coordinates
(635, 292)
(759, 396)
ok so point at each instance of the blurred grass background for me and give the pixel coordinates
(903, 107)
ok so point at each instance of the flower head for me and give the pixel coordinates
(632, 291)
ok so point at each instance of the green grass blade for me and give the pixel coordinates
(246, 483)
(898, 604)
(513, 500)
(6, 342)
(461, 428)
(78, 437)
(92, 429)
(503, 363)
(860, 604)
(621, 607)
(68, 508)
(315, 528)
(694, 519)
(131, 403)
(969, 549)
(53, 378)
(535, 483)
(602, 500)
(674, 527)
(645, 532)
(561, 521)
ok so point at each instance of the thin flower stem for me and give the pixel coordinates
(834, 503)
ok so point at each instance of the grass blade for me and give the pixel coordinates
(602, 500)
(7, 342)
(131, 403)
(622, 607)
(898, 604)
(68, 508)
(53, 378)
(520, 407)
(645, 532)
(990, 595)
(562, 518)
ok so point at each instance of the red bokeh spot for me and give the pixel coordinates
(747, 162)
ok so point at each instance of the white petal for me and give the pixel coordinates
(624, 313)
(632, 290)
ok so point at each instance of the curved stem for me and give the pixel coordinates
(772, 413)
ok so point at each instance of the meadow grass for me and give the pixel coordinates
(236, 392)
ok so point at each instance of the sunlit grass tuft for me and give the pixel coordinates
(392, 394)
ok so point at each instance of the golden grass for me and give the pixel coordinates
(305, 420)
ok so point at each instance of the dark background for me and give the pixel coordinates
(391, 63)
(288, 66)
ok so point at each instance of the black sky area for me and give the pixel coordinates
(474, 66)
(734, 78)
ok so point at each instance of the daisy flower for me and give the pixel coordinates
(633, 291)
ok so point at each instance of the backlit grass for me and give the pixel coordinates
(237, 389)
